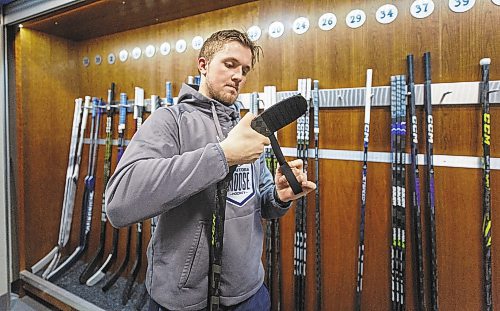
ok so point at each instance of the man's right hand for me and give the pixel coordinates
(243, 144)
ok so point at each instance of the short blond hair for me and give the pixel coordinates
(217, 40)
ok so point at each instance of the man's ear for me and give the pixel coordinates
(202, 65)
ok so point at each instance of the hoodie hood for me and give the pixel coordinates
(228, 116)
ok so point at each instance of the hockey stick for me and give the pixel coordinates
(121, 148)
(88, 197)
(394, 251)
(144, 294)
(402, 188)
(486, 138)
(127, 291)
(418, 262)
(300, 214)
(91, 267)
(319, 282)
(431, 244)
(268, 122)
(361, 246)
(54, 255)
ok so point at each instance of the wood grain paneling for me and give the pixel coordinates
(47, 88)
(337, 58)
(105, 17)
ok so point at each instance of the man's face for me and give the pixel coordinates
(225, 75)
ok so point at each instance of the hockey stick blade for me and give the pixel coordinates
(275, 118)
(280, 115)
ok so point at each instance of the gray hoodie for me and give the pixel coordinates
(171, 168)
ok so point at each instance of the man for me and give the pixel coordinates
(171, 168)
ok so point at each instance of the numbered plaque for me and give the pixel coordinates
(136, 53)
(387, 14)
(111, 58)
(422, 8)
(123, 55)
(197, 42)
(276, 29)
(165, 48)
(460, 6)
(327, 21)
(180, 46)
(150, 51)
(254, 33)
(98, 59)
(301, 25)
(355, 18)
(86, 61)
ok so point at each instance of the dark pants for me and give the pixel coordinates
(260, 301)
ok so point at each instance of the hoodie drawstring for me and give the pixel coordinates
(220, 134)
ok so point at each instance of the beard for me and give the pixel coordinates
(221, 96)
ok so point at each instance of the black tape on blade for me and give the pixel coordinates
(275, 118)
(279, 115)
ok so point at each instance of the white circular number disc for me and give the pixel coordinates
(387, 14)
(86, 61)
(355, 18)
(422, 8)
(254, 33)
(136, 52)
(497, 2)
(164, 48)
(301, 25)
(111, 58)
(327, 21)
(150, 51)
(180, 46)
(460, 6)
(98, 59)
(276, 29)
(123, 55)
(197, 42)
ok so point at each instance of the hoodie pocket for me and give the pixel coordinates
(196, 264)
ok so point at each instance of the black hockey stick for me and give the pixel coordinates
(366, 136)
(394, 232)
(319, 282)
(484, 91)
(418, 261)
(127, 291)
(300, 237)
(144, 293)
(121, 148)
(268, 122)
(274, 118)
(431, 244)
(402, 189)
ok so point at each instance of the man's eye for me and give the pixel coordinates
(229, 65)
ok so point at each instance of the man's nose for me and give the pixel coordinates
(238, 74)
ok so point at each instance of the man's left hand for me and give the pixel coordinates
(283, 189)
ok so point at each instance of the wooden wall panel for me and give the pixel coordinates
(152, 73)
(47, 86)
(337, 58)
